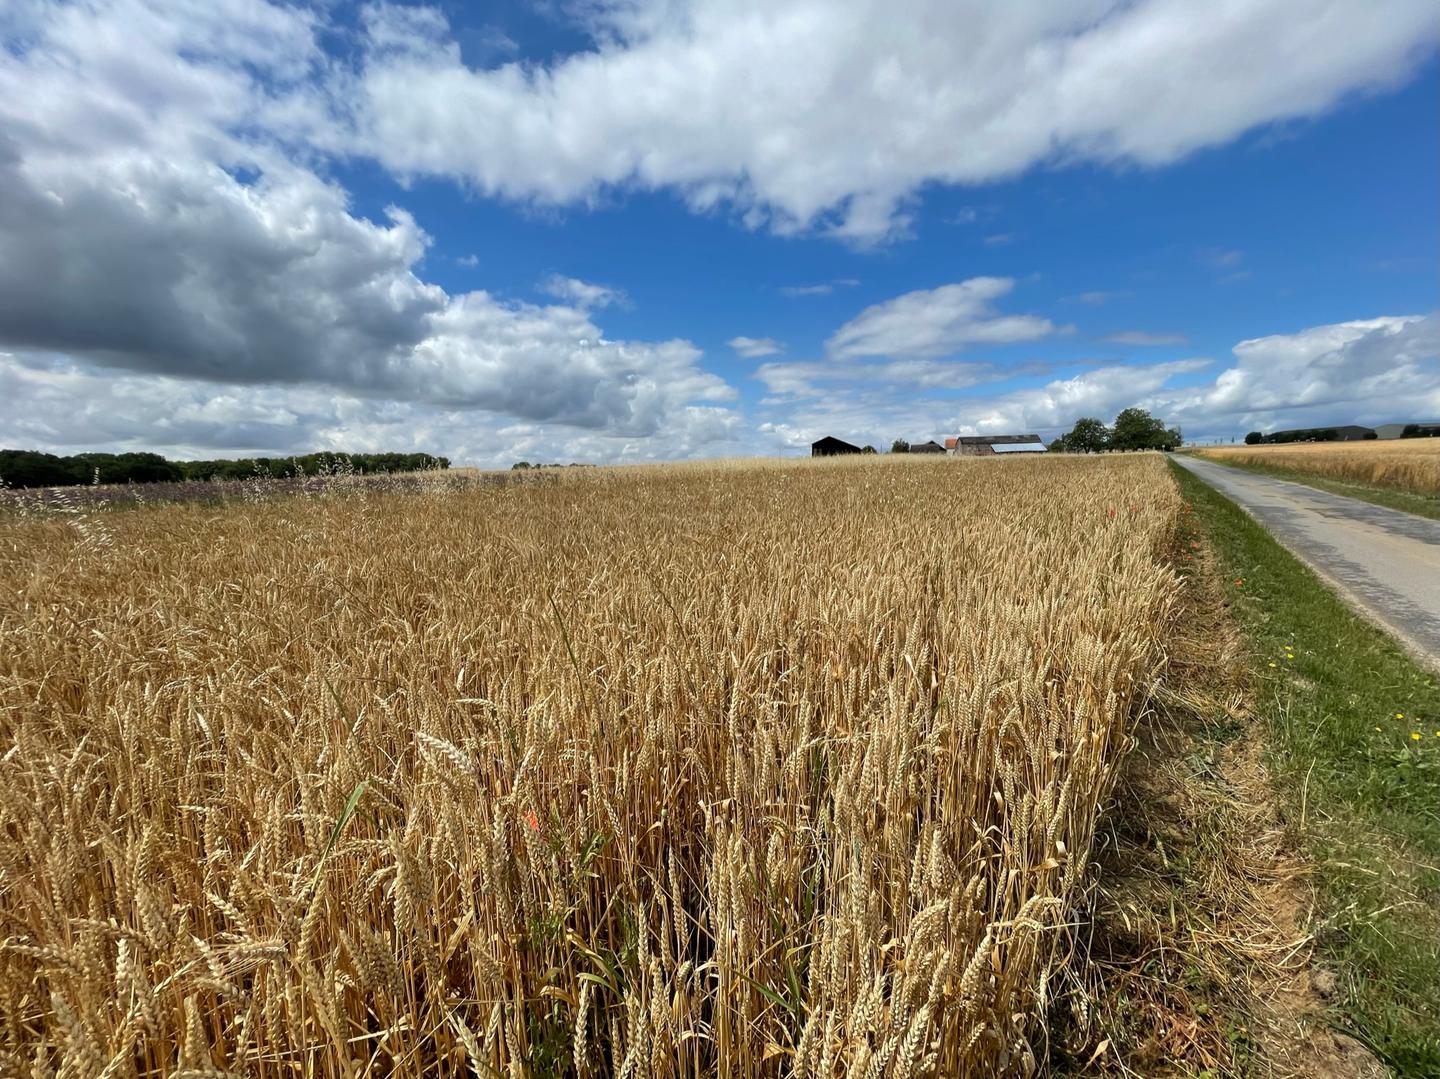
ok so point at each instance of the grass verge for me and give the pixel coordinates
(1354, 735)
(1422, 505)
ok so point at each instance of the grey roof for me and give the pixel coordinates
(1392, 430)
(997, 440)
(1343, 430)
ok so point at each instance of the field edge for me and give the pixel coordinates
(1355, 784)
(1421, 505)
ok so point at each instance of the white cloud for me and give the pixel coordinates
(178, 271)
(754, 347)
(822, 289)
(936, 92)
(1367, 371)
(1144, 338)
(1000, 239)
(155, 222)
(1101, 392)
(582, 294)
(1372, 371)
(56, 404)
(936, 322)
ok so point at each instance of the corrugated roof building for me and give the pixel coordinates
(990, 445)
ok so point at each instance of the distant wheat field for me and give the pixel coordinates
(1405, 464)
(687, 771)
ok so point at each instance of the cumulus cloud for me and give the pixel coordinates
(155, 222)
(1145, 339)
(833, 114)
(174, 266)
(1370, 371)
(1366, 371)
(178, 269)
(754, 347)
(936, 322)
(1057, 404)
(56, 404)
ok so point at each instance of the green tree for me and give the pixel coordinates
(899, 446)
(29, 468)
(1254, 438)
(867, 449)
(1136, 429)
(1089, 435)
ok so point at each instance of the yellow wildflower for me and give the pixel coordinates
(1414, 736)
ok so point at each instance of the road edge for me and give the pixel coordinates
(1416, 651)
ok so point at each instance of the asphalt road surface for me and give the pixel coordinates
(1383, 561)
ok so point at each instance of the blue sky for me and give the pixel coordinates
(645, 230)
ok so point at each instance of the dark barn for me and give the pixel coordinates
(830, 446)
(928, 447)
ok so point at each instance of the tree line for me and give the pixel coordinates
(1133, 429)
(29, 468)
(1330, 434)
(1308, 434)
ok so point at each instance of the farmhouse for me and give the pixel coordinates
(928, 447)
(829, 446)
(989, 445)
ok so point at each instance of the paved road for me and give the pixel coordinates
(1385, 562)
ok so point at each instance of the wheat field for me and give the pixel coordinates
(686, 771)
(1402, 464)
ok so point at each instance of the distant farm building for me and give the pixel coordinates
(990, 445)
(1348, 433)
(1408, 430)
(927, 447)
(831, 447)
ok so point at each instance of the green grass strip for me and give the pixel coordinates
(1415, 502)
(1354, 727)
